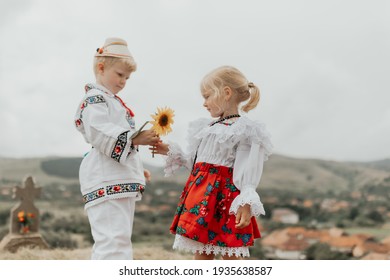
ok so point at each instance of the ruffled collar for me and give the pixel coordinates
(241, 126)
(242, 129)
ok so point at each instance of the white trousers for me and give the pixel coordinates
(111, 226)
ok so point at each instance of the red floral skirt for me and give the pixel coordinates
(203, 210)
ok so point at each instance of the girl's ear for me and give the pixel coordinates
(228, 93)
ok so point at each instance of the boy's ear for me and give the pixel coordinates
(100, 67)
(228, 93)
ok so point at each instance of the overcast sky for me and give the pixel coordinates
(322, 66)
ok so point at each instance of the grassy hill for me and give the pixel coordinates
(280, 172)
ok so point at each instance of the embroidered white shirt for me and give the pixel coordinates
(112, 168)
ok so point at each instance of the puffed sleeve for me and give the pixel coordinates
(248, 168)
(93, 122)
(176, 158)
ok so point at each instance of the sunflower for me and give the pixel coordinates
(162, 121)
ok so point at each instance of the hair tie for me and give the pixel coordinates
(251, 85)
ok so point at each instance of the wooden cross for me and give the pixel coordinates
(27, 194)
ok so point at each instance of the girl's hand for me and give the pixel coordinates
(148, 175)
(146, 137)
(243, 217)
(161, 148)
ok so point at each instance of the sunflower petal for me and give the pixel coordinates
(163, 120)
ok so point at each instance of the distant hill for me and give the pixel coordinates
(45, 170)
(380, 164)
(279, 172)
(62, 167)
(14, 170)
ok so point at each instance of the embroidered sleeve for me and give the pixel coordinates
(248, 168)
(93, 122)
(120, 146)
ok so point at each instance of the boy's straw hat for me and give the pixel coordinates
(115, 47)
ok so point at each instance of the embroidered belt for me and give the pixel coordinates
(112, 190)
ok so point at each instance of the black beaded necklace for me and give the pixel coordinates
(226, 118)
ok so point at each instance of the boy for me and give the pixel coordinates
(112, 177)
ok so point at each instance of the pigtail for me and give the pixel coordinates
(254, 93)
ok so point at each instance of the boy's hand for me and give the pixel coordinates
(146, 137)
(148, 175)
(160, 149)
(243, 217)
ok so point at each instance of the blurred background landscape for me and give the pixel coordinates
(316, 209)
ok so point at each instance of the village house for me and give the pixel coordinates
(373, 252)
(294, 201)
(376, 256)
(5, 191)
(356, 195)
(285, 216)
(334, 205)
(345, 243)
(280, 245)
(373, 197)
(307, 203)
(271, 200)
(173, 194)
(386, 240)
(370, 247)
(291, 243)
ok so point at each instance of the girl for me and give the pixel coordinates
(217, 208)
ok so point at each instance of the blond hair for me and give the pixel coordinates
(109, 61)
(228, 76)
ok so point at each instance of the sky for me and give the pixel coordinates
(322, 67)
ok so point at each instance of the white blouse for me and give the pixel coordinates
(243, 145)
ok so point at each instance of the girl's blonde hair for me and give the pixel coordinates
(228, 76)
(109, 61)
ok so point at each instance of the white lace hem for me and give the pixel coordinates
(251, 197)
(185, 244)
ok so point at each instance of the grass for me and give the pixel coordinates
(141, 252)
(378, 233)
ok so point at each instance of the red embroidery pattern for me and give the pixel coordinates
(119, 146)
(112, 190)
